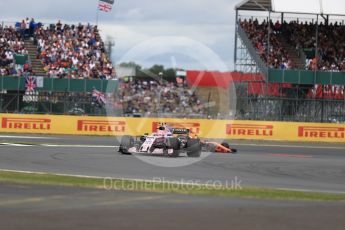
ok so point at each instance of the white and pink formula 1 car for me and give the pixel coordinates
(166, 141)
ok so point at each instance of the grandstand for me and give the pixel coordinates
(299, 49)
(66, 61)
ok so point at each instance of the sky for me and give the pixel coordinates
(163, 27)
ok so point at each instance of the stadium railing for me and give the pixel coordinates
(60, 85)
(246, 41)
(306, 77)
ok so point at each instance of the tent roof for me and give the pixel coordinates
(326, 7)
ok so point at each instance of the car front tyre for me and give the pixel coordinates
(127, 142)
(173, 143)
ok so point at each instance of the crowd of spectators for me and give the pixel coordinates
(73, 51)
(66, 51)
(330, 42)
(271, 53)
(149, 98)
(11, 44)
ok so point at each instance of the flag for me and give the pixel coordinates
(105, 5)
(30, 83)
(98, 97)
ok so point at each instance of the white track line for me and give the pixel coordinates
(79, 146)
(14, 144)
(58, 146)
(290, 146)
(28, 137)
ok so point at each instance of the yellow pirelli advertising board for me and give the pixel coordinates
(220, 129)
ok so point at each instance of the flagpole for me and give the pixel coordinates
(97, 13)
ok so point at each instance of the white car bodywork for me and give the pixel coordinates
(149, 141)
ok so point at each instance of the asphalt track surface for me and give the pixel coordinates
(50, 207)
(312, 167)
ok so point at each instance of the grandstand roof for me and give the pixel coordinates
(258, 5)
(326, 7)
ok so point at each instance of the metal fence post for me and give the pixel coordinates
(2, 92)
(18, 85)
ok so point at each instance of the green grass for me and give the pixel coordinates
(142, 186)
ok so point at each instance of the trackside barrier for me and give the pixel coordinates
(222, 129)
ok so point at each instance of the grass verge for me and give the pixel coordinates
(144, 186)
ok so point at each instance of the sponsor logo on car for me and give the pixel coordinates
(321, 132)
(249, 130)
(101, 126)
(26, 123)
(181, 130)
(193, 127)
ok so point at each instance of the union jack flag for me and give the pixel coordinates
(105, 5)
(98, 97)
(30, 83)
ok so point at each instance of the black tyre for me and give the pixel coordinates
(193, 147)
(127, 142)
(174, 143)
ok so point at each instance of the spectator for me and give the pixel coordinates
(32, 27)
